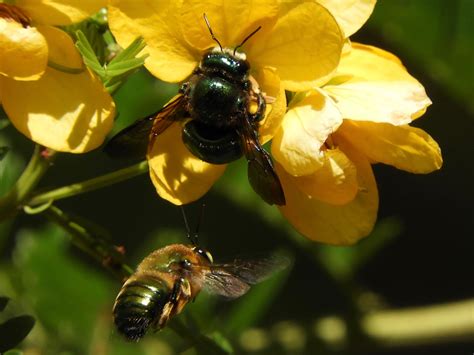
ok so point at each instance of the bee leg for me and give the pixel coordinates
(260, 113)
(184, 88)
(180, 295)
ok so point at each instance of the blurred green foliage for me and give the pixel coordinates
(419, 252)
(435, 35)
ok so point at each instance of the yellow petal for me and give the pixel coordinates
(376, 88)
(171, 58)
(24, 51)
(179, 176)
(350, 14)
(304, 45)
(305, 128)
(65, 112)
(231, 21)
(272, 89)
(62, 50)
(335, 182)
(406, 148)
(333, 224)
(60, 12)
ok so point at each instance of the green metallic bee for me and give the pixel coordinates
(170, 277)
(217, 98)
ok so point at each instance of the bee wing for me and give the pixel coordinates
(234, 279)
(261, 173)
(132, 142)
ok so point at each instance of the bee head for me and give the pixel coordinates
(225, 63)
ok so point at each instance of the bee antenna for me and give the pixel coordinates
(186, 225)
(246, 39)
(212, 34)
(201, 214)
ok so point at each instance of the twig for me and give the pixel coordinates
(39, 163)
(89, 185)
(91, 240)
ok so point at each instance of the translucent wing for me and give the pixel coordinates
(261, 174)
(234, 279)
(132, 142)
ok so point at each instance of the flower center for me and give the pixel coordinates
(12, 12)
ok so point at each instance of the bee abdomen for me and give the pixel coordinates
(137, 306)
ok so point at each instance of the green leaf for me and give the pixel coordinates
(11, 166)
(203, 343)
(211, 345)
(14, 330)
(88, 54)
(3, 302)
(112, 86)
(130, 52)
(222, 341)
(67, 295)
(444, 52)
(4, 122)
(14, 352)
(344, 262)
(120, 68)
(3, 152)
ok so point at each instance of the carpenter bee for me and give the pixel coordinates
(217, 100)
(167, 279)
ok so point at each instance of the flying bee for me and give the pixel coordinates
(221, 127)
(167, 279)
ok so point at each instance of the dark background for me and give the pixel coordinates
(420, 253)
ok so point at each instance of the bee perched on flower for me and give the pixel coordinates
(45, 89)
(332, 134)
(234, 92)
(351, 106)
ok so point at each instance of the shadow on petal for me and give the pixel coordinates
(179, 176)
(335, 182)
(333, 224)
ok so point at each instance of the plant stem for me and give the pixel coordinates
(92, 240)
(37, 166)
(90, 185)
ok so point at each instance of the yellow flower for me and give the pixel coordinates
(331, 135)
(45, 89)
(300, 43)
